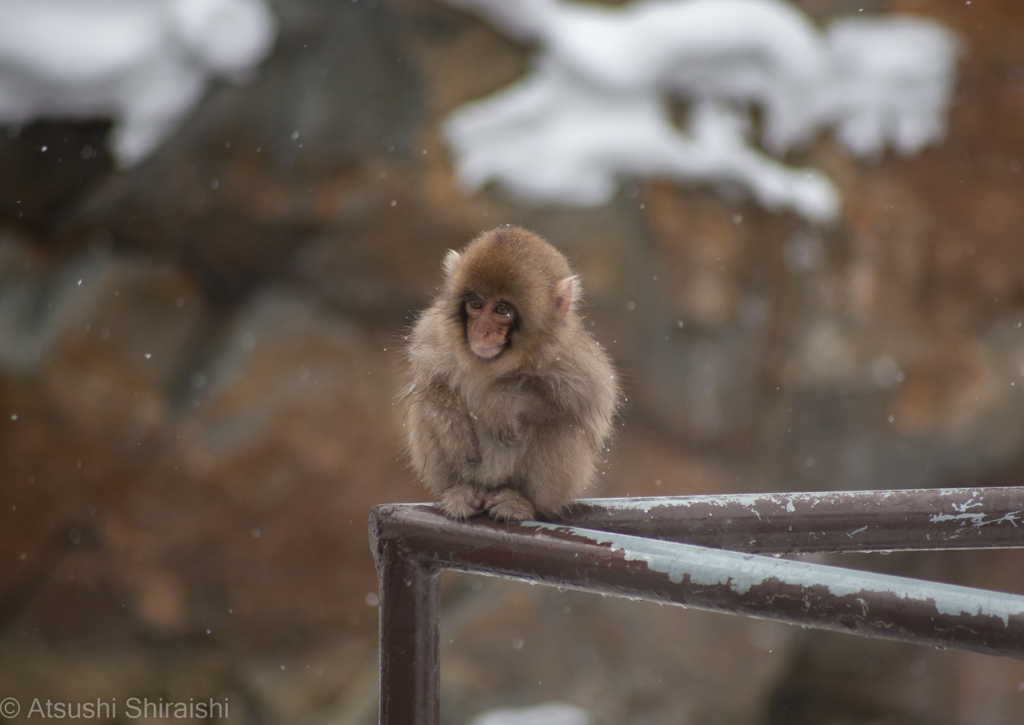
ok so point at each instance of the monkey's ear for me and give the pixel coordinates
(451, 261)
(564, 294)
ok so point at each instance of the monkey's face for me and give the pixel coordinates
(489, 320)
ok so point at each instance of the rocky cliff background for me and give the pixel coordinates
(199, 359)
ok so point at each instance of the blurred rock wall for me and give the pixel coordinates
(199, 359)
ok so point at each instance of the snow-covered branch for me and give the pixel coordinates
(596, 106)
(143, 63)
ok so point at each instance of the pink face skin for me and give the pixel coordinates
(489, 320)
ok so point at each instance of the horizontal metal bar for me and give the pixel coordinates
(814, 595)
(912, 519)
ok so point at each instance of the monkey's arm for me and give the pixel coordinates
(437, 410)
(521, 404)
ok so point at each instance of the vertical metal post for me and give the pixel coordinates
(410, 657)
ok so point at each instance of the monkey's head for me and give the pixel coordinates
(509, 291)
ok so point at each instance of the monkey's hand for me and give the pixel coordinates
(508, 504)
(508, 434)
(514, 404)
(462, 501)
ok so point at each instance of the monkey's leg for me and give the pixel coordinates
(561, 468)
(444, 413)
(508, 504)
(443, 447)
(461, 501)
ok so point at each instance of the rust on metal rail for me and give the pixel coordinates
(413, 543)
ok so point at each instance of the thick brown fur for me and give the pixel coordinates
(522, 433)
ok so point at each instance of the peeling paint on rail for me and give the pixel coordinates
(743, 572)
(978, 519)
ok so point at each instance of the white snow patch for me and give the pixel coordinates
(145, 64)
(553, 713)
(596, 107)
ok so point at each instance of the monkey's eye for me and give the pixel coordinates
(475, 303)
(503, 309)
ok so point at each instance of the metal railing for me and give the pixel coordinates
(704, 552)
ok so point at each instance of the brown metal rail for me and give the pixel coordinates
(789, 523)
(596, 549)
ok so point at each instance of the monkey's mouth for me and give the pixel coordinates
(486, 352)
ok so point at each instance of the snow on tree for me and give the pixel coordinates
(143, 63)
(596, 107)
